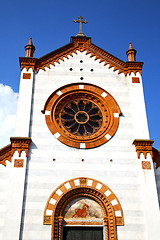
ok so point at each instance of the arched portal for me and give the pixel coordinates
(89, 191)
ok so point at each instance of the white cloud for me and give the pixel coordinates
(8, 107)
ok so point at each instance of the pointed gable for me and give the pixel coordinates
(81, 44)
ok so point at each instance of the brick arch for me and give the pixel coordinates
(83, 187)
(82, 183)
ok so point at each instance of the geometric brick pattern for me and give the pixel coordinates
(26, 75)
(135, 80)
(18, 163)
(146, 165)
(101, 98)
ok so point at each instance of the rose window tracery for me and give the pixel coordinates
(81, 117)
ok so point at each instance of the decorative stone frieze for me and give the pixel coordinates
(143, 146)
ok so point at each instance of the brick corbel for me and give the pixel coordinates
(17, 144)
(27, 62)
(143, 146)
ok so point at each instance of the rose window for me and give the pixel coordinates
(81, 117)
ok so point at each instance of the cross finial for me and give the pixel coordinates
(80, 21)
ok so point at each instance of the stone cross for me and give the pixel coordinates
(80, 21)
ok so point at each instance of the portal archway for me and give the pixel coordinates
(83, 188)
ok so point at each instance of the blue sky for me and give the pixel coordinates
(111, 24)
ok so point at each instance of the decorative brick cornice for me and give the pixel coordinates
(156, 157)
(5, 154)
(133, 67)
(143, 146)
(81, 44)
(17, 144)
(20, 144)
(27, 62)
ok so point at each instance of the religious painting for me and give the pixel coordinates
(83, 208)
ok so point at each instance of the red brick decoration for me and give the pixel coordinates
(17, 144)
(146, 165)
(143, 146)
(135, 80)
(18, 163)
(66, 97)
(26, 75)
(5, 154)
(81, 44)
(83, 187)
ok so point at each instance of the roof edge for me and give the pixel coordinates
(81, 43)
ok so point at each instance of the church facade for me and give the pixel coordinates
(81, 164)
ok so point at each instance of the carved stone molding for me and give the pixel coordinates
(143, 146)
(17, 144)
(81, 44)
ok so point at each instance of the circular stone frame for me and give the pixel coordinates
(106, 104)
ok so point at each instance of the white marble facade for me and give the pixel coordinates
(115, 163)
